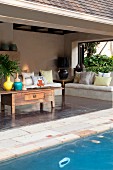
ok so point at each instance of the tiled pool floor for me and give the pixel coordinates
(25, 139)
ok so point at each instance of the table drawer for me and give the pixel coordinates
(34, 96)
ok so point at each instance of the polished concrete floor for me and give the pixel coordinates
(65, 107)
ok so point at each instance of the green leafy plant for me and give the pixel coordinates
(98, 63)
(7, 66)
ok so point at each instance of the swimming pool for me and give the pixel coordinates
(91, 153)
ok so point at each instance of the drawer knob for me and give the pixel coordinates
(34, 95)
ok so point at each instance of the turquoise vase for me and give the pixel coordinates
(17, 85)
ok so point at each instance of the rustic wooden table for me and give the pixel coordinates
(16, 98)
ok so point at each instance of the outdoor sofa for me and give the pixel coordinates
(90, 90)
(30, 81)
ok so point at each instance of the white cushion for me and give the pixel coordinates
(90, 87)
(32, 86)
(46, 85)
(53, 85)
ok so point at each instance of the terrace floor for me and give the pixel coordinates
(65, 107)
(33, 130)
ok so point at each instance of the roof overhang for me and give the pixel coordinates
(58, 11)
(24, 12)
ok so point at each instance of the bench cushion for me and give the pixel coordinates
(89, 87)
(46, 85)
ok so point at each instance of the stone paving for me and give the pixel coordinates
(27, 139)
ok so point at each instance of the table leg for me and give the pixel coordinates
(13, 120)
(53, 103)
(13, 105)
(63, 88)
(41, 106)
(13, 109)
(63, 101)
(2, 105)
(2, 109)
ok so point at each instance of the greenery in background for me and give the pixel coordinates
(99, 63)
(7, 66)
(90, 48)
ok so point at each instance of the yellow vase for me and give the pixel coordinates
(8, 84)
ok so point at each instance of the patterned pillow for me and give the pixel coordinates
(36, 78)
(47, 75)
(28, 78)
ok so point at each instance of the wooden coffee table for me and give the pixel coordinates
(17, 98)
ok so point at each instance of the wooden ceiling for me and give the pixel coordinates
(41, 29)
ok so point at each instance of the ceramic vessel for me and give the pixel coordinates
(8, 84)
(17, 78)
(63, 74)
(17, 85)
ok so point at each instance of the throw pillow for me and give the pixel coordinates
(36, 78)
(47, 75)
(92, 77)
(28, 78)
(85, 78)
(77, 77)
(104, 74)
(102, 81)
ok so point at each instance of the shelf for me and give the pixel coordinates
(13, 55)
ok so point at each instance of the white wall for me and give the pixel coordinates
(38, 50)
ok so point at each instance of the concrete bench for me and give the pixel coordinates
(89, 91)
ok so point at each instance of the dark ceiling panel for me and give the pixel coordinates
(41, 29)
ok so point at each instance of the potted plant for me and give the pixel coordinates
(8, 68)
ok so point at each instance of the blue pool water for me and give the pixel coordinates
(91, 153)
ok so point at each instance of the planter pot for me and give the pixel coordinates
(13, 47)
(5, 47)
(63, 74)
(8, 84)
